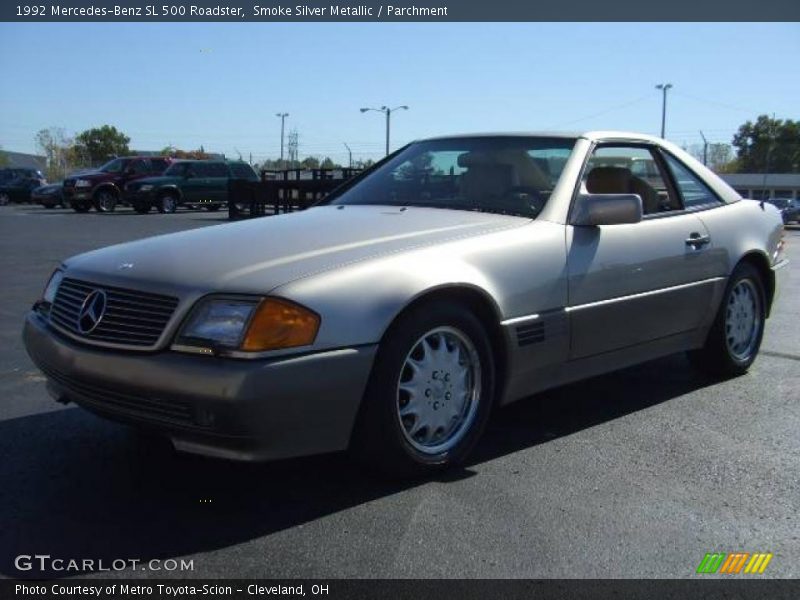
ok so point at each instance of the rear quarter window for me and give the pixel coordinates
(243, 171)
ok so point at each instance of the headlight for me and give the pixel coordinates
(249, 326)
(83, 183)
(49, 294)
(217, 322)
(146, 187)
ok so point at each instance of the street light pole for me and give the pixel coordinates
(388, 112)
(663, 87)
(282, 117)
(705, 149)
(350, 153)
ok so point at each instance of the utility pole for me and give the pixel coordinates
(772, 136)
(663, 87)
(282, 117)
(388, 112)
(350, 152)
(293, 146)
(705, 148)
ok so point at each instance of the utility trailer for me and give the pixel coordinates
(283, 191)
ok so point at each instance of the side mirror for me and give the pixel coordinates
(606, 209)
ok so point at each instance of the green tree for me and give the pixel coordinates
(102, 143)
(327, 163)
(309, 162)
(768, 144)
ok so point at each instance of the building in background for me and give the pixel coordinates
(760, 187)
(20, 160)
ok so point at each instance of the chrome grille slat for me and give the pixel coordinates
(135, 326)
(131, 318)
(137, 318)
(137, 306)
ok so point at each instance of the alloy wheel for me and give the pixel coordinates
(438, 390)
(743, 320)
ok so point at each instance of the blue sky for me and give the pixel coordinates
(220, 85)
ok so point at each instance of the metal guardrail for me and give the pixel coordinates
(282, 191)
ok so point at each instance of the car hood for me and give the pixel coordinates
(88, 174)
(258, 255)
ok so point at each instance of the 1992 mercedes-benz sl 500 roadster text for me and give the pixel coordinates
(458, 274)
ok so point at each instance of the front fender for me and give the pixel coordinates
(520, 272)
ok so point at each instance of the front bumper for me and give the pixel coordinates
(77, 194)
(780, 274)
(238, 409)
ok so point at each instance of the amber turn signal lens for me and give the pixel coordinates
(280, 324)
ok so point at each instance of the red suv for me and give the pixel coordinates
(102, 188)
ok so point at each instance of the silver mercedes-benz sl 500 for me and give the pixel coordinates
(458, 274)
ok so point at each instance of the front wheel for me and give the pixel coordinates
(430, 392)
(105, 201)
(735, 337)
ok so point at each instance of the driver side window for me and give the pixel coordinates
(620, 169)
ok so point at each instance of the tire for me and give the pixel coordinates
(105, 200)
(81, 207)
(168, 203)
(735, 337)
(390, 434)
(212, 207)
(142, 207)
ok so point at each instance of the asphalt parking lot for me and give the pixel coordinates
(634, 474)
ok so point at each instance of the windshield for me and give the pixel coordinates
(114, 166)
(175, 169)
(510, 175)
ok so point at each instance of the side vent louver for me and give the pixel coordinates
(532, 333)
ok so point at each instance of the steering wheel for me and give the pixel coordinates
(524, 198)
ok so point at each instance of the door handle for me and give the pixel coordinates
(695, 240)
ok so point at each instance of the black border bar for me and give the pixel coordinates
(398, 10)
(731, 587)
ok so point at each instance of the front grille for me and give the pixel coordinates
(93, 395)
(131, 318)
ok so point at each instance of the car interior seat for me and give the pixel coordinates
(619, 180)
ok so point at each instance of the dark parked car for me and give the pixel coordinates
(49, 195)
(102, 188)
(192, 183)
(790, 208)
(16, 184)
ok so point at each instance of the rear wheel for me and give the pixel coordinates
(168, 203)
(105, 201)
(735, 337)
(430, 392)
